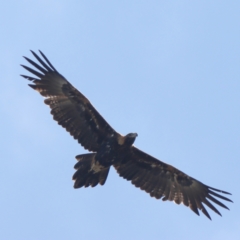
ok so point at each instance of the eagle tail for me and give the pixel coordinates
(87, 173)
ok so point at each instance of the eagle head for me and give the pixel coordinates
(130, 138)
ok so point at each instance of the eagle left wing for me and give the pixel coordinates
(164, 181)
(69, 107)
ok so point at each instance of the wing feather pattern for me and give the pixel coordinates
(70, 108)
(161, 180)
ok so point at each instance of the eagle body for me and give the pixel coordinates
(97, 165)
(112, 152)
(107, 148)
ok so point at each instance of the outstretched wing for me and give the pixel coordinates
(71, 109)
(161, 180)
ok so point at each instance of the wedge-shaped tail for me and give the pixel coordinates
(88, 172)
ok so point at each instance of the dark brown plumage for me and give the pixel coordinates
(73, 111)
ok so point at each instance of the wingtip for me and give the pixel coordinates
(227, 193)
(205, 212)
(218, 190)
(32, 86)
(24, 76)
(32, 51)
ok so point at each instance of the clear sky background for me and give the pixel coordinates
(168, 70)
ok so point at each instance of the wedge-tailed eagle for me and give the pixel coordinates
(73, 111)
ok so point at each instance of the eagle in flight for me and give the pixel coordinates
(73, 111)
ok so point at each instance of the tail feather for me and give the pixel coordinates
(88, 173)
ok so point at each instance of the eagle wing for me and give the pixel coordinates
(70, 108)
(161, 180)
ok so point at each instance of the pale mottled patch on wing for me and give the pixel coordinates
(164, 181)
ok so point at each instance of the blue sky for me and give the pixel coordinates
(168, 70)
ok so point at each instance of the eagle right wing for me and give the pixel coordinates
(164, 181)
(70, 108)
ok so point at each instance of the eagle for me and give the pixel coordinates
(74, 112)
